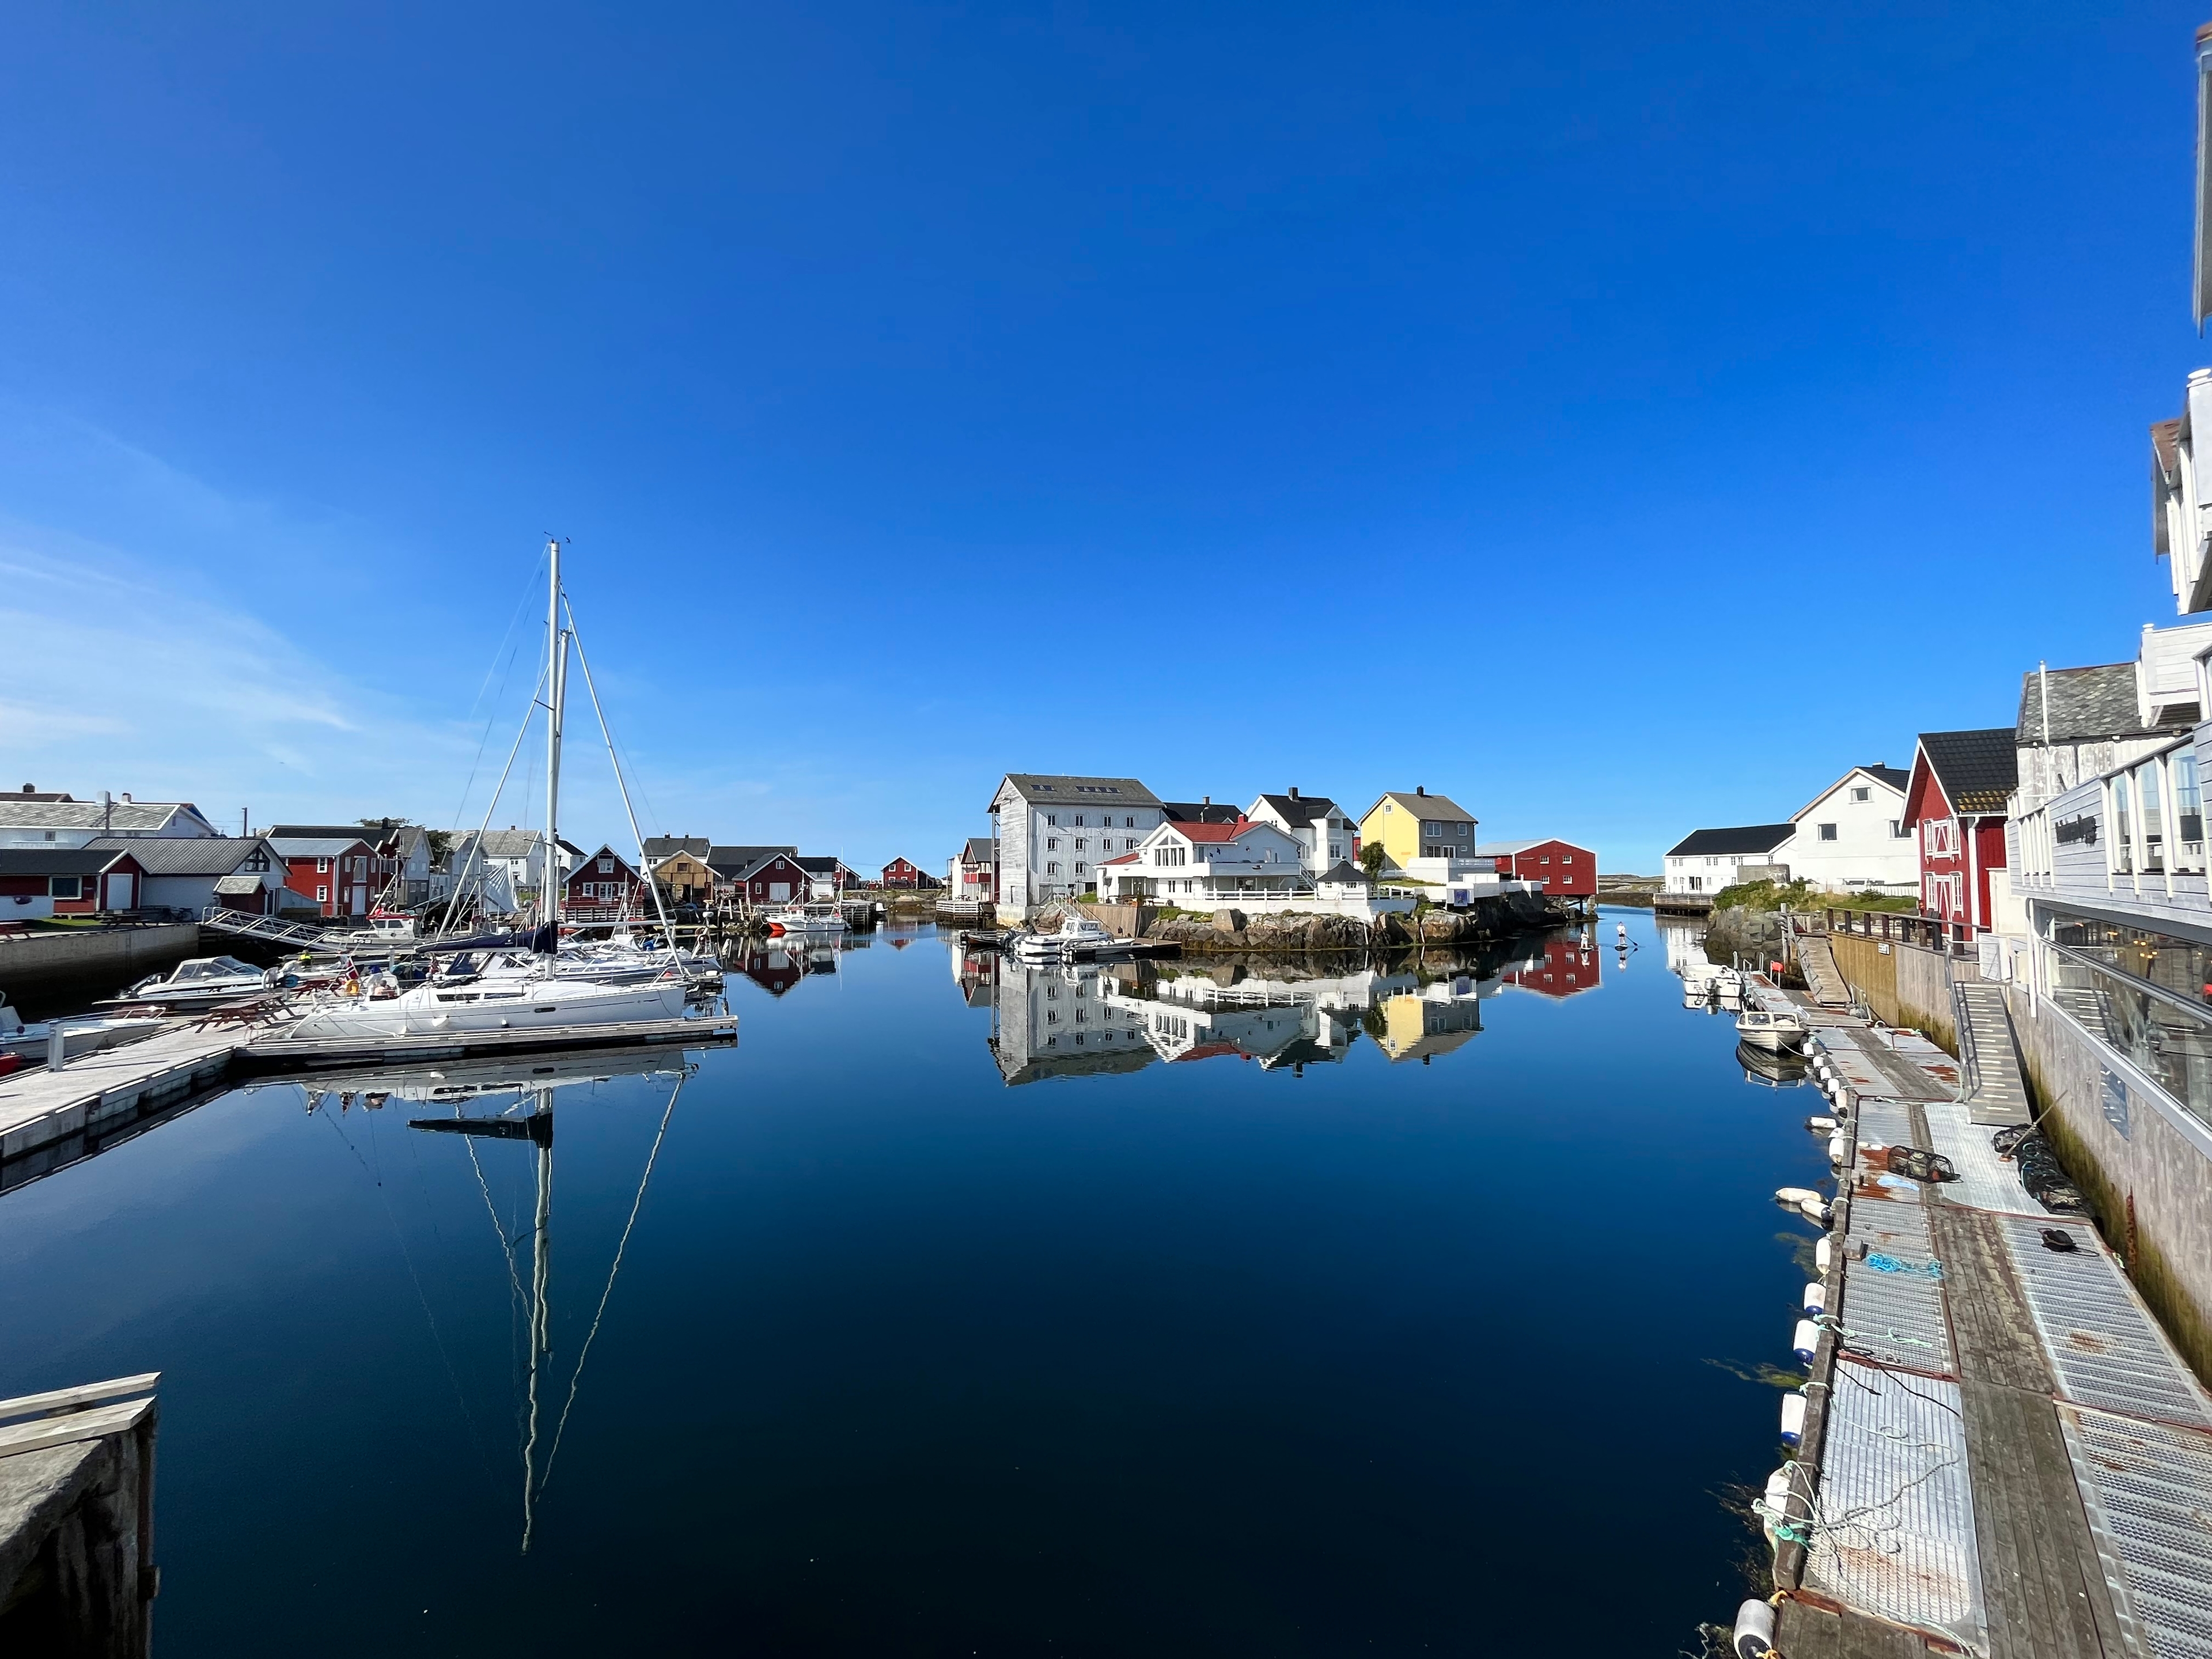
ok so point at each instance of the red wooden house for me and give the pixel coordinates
(1955, 804)
(338, 874)
(902, 872)
(67, 881)
(775, 877)
(604, 887)
(1566, 871)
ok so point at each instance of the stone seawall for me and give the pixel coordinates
(1904, 984)
(1500, 916)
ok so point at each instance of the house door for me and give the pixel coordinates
(779, 892)
(360, 900)
(122, 891)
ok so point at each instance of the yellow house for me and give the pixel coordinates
(1417, 825)
(683, 877)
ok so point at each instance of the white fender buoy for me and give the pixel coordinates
(1823, 1253)
(1753, 1634)
(1805, 1340)
(1815, 1209)
(1796, 1195)
(1793, 1418)
(1816, 1297)
(1839, 1148)
(1821, 1126)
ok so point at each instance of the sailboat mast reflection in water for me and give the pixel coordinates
(537, 1129)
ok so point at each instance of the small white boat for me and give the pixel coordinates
(804, 918)
(385, 927)
(83, 1033)
(199, 983)
(1776, 1033)
(1077, 936)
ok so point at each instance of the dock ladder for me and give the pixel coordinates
(273, 930)
(1988, 1056)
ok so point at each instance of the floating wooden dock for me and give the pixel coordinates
(2004, 1454)
(51, 1119)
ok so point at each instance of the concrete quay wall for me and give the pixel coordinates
(2142, 1162)
(99, 960)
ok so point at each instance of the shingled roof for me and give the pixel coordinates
(2087, 705)
(1978, 770)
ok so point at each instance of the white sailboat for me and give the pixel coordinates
(480, 991)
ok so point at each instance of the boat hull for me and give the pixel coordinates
(491, 1006)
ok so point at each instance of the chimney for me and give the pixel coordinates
(1294, 791)
(126, 795)
(1205, 801)
(30, 789)
(1420, 789)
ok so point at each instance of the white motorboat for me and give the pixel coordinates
(1776, 1033)
(1076, 936)
(385, 929)
(82, 1034)
(804, 918)
(501, 999)
(199, 983)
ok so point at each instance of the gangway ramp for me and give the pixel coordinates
(1823, 979)
(1996, 1092)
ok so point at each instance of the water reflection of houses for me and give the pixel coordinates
(1565, 965)
(1051, 1021)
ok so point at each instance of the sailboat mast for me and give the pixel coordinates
(541, 1334)
(555, 689)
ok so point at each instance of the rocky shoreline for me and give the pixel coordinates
(1489, 918)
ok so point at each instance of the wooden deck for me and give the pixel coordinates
(2034, 1574)
(49, 1120)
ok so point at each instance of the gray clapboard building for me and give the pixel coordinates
(1054, 830)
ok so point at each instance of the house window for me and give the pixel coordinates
(322, 866)
(322, 896)
(1079, 820)
(1827, 832)
(1052, 844)
(1081, 842)
(607, 867)
(1462, 829)
(1128, 843)
(1897, 829)
(1052, 819)
(1861, 792)
(65, 887)
(1080, 867)
(1566, 858)
(1546, 859)
(1053, 868)
(1127, 823)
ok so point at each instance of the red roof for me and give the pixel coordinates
(1126, 858)
(1211, 831)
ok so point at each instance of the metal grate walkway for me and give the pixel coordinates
(1995, 1094)
(2144, 1485)
(2104, 1347)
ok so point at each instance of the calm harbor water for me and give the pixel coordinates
(1229, 1332)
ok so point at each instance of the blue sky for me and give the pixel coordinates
(1622, 419)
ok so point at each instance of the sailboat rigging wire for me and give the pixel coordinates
(437, 1339)
(506, 1244)
(667, 927)
(576, 1377)
(491, 718)
(460, 881)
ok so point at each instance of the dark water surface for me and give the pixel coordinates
(1187, 1357)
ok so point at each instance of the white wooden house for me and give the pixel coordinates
(1204, 865)
(1325, 832)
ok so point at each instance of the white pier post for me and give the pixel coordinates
(57, 1045)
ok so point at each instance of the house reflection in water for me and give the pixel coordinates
(777, 964)
(1061, 1020)
(1568, 964)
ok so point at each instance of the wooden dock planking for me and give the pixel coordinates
(1806, 1630)
(278, 1055)
(39, 1108)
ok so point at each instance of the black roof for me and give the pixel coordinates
(661, 846)
(58, 861)
(1300, 809)
(1196, 812)
(1895, 776)
(730, 862)
(1978, 770)
(1742, 838)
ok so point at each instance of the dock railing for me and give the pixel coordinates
(1903, 927)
